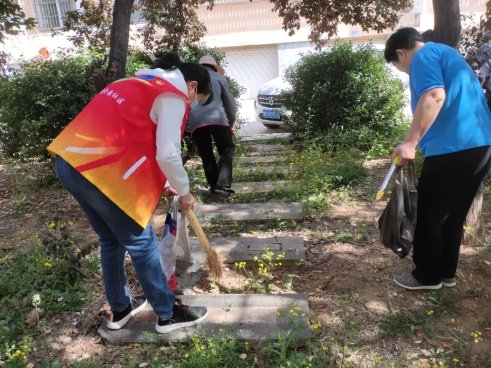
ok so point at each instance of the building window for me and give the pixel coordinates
(51, 13)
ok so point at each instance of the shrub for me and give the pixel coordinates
(36, 103)
(343, 97)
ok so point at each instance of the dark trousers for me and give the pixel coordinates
(221, 173)
(446, 189)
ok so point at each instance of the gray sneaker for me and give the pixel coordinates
(449, 282)
(409, 282)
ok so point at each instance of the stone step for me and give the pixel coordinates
(270, 170)
(233, 250)
(263, 186)
(250, 212)
(264, 137)
(265, 153)
(248, 317)
(262, 148)
(245, 248)
(260, 160)
(255, 187)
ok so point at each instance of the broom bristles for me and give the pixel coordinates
(214, 262)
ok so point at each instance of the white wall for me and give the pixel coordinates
(290, 53)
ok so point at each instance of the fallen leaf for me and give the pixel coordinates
(439, 343)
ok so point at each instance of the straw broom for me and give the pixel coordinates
(214, 263)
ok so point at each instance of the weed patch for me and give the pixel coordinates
(260, 281)
(407, 321)
(41, 281)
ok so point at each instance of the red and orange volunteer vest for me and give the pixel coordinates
(112, 144)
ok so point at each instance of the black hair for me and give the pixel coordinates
(168, 60)
(190, 71)
(198, 73)
(403, 38)
(428, 36)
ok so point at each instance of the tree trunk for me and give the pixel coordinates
(473, 220)
(447, 30)
(120, 34)
(447, 22)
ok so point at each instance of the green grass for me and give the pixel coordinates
(406, 320)
(44, 270)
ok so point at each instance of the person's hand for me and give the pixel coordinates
(233, 130)
(186, 202)
(406, 152)
(169, 192)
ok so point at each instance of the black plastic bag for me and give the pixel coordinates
(398, 220)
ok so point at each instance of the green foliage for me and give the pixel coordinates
(12, 17)
(137, 60)
(343, 236)
(476, 35)
(343, 97)
(91, 25)
(171, 25)
(322, 172)
(261, 281)
(220, 351)
(324, 17)
(37, 103)
(45, 270)
(405, 321)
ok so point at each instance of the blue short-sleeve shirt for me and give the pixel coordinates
(464, 121)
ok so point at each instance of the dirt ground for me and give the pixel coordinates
(340, 274)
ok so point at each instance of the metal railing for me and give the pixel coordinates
(50, 14)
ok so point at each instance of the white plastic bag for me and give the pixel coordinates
(167, 242)
(183, 249)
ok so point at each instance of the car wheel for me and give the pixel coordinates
(271, 126)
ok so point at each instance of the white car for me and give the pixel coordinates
(268, 104)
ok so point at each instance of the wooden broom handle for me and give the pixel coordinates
(193, 220)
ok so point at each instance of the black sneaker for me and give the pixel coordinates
(183, 316)
(119, 319)
(220, 192)
(224, 188)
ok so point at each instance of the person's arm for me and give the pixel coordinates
(427, 110)
(228, 100)
(169, 111)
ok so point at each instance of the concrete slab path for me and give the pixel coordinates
(245, 248)
(260, 159)
(269, 170)
(264, 137)
(250, 212)
(263, 186)
(248, 317)
(264, 147)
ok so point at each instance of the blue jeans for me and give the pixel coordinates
(118, 234)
